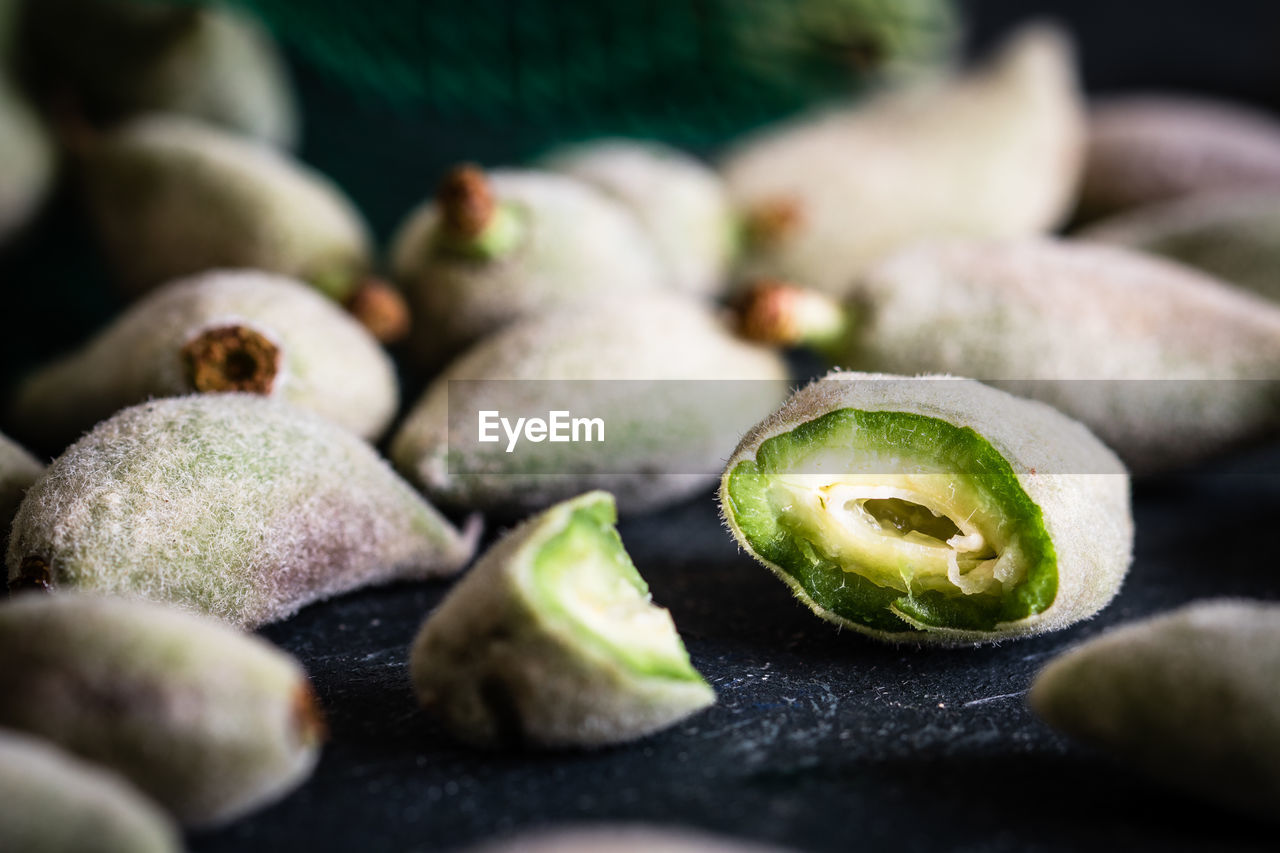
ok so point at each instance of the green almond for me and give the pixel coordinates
(1234, 236)
(552, 640)
(51, 802)
(217, 332)
(18, 471)
(671, 383)
(229, 504)
(114, 59)
(494, 247)
(1150, 148)
(27, 161)
(209, 722)
(680, 201)
(1190, 697)
(171, 196)
(931, 510)
(996, 152)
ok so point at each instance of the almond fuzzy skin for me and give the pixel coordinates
(996, 153)
(1081, 488)
(26, 161)
(171, 197)
(209, 722)
(495, 666)
(681, 203)
(1047, 309)
(663, 336)
(51, 802)
(1145, 149)
(576, 243)
(118, 58)
(18, 471)
(327, 362)
(1234, 235)
(243, 508)
(1190, 697)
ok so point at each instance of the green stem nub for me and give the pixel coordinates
(231, 358)
(782, 314)
(474, 223)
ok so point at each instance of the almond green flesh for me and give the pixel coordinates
(171, 197)
(570, 243)
(661, 445)
(681, 203)
(327, 362)
(995, 153)
(229, 504)
(551, 640)
(1190, 697)
(931, 510)
(51, 802)
(209, 722)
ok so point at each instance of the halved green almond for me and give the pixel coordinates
(552, 639)
(931, 509)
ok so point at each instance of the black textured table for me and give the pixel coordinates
(820, 740)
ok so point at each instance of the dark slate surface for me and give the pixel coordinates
(821, 740)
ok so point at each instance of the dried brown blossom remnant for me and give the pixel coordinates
(231, 358)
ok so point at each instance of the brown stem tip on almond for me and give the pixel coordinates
(466, 201)
(308, 717)
(33, 574)
(231, 358)
(783, 314)
(381, 309)
(772, 221)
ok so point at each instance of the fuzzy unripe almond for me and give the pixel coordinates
(112, 59)
(172, 197)
(209, 722)
(1190, 697)
(1232, 235)
(1151, 148)
(216, 332)
(230, 504)
(52, 802)
(1167, 365)
(27, 161)
(681, 203)
(996, 153)
(673, 386)
(493, 247)
(18, 470)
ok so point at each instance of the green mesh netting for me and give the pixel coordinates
(693, 71)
